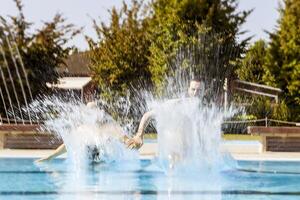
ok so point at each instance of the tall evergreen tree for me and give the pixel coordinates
(283, 58)
(252, 67)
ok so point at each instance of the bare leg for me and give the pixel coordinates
(60, 150)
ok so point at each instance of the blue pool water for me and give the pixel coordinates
(22, 179)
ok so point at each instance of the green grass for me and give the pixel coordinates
(150, 136)
(225, 137)
(240, 137)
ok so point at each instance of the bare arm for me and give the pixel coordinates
(144, 123)
(60, 150)
(137, 140)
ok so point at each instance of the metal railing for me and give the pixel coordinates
(240, 126)
(257, 89)
(17, 121)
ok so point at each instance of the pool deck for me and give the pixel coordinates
(238, 149)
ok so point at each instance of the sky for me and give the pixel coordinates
(81, 12)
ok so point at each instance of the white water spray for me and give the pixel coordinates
(89, 133)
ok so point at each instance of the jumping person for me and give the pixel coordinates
(111, 129)
(177, 141)
(194, 90)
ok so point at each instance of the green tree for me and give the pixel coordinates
(283, 57)
(48, 51)
(209, 26)
(263, 107)
(41, 53)
(252, 67)
(119, 59)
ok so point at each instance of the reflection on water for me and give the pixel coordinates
(131, 180)
(141, 179)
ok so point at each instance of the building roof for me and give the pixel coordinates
(76, 64)
(70, 83)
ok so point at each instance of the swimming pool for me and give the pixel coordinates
(22, 179)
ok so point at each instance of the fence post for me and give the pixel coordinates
(225, 87)
(266, 121)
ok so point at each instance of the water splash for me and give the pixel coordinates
(189, 134)
(90, 134)
(189, 129)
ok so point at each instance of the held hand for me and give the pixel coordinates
(135, 143)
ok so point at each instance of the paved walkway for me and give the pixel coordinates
(239, 150)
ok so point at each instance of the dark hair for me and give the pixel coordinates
(197, 79)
